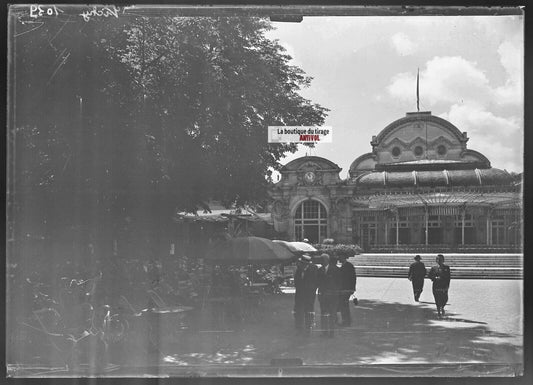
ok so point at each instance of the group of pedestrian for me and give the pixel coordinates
(335, 286)
(439, 275)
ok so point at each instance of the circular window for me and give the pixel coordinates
(441, 150)
(419, 150)
(396, 151)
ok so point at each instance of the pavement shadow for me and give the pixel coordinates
(381, 333)
(449, 319)
(409, 333)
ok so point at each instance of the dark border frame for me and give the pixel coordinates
(387, 7)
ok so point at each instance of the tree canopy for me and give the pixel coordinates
(129, 120)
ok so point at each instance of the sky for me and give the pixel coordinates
(364, 70)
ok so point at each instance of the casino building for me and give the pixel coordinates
(420, 188)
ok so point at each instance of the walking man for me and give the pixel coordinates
(305, 282)
(417, 273)
(348, 280)
(328, 294)
(440, 275)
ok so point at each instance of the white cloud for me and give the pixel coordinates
(510, 52)
(499, 154)
(403, 45)
(463, 90)
(444, 80)
(402, 86)
(478, 121)
(510, 57)
(469, 65)
(493, 28)
(496, 137)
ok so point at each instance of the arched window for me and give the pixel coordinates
(311, 221)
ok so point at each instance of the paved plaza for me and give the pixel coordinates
(390, 334)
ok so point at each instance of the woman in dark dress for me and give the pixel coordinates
(440, 275)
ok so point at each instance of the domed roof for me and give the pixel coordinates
(419, 141)
(415, 117)
(436, 178)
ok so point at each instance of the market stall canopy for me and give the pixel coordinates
(247, 251)
(297, 247)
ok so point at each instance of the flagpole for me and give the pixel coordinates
(417, 90)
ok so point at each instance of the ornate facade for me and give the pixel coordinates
(419, 187)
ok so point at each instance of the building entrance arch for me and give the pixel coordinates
(311, 221)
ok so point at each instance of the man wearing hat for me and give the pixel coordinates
(328, 294)
(348, 280)
(417, 273)
(305, 282)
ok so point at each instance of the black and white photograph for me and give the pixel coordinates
(264, 191)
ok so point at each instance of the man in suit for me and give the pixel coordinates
(440, 275)
(305, 282)
(348, 280)
(328, 294)
(417, 273)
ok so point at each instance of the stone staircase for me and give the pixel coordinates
(463, 266)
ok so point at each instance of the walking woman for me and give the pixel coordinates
(440, 275)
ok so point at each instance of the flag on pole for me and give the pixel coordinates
(417, 87)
